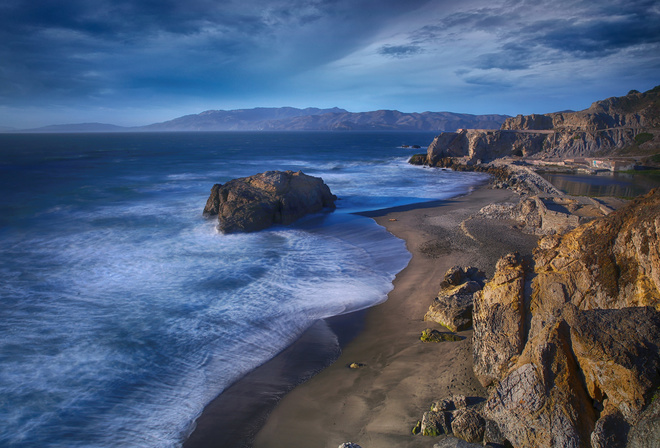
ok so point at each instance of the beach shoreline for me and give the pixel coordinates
(378, 405)
(321, 401)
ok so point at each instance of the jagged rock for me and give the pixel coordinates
(274, 197)
(590, 321)
(435, 423)
(349, 445)
(498, 319)
(468, 425)
(646, 432)
(542, 401)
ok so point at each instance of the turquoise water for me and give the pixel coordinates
(124, 312)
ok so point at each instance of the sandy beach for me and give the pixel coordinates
(378, 404)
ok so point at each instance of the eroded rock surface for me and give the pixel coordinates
(498, 319)
(571, 341)
(275, 197)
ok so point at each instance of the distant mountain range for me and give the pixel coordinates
(293, 119)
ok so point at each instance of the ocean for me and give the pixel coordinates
(123, 312)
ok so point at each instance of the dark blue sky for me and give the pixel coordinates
(134, 62)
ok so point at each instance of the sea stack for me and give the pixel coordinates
(253, 203)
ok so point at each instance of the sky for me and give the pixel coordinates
(135, 62)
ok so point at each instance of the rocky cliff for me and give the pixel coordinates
(275, 197)
(623, 124)
(569, 339)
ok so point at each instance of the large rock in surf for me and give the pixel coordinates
(254, 203)
(583, 359)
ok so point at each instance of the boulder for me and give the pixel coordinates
(468, 425)
(349, 445)
(452, 308)
(275, 197)
(435, 423)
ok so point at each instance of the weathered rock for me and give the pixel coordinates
(492, 435)
(591, 359)
(450, 404)
(274, 197)
(452, 308)
(349, 445)
(430, 335)
(611, 430)
(646, 432)
(498, 320)
(542, 401)
(468, 425)
(435, 423)
(618, 353)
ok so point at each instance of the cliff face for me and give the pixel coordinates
(605, 127)
(581, 356)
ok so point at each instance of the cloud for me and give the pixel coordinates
(399, 51)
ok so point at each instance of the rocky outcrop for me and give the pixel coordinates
(607, 126)
(275, 197)
(479, 146)
(452, 308)
(583, 357)
(498, 320)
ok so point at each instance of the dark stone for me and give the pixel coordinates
(275, 197)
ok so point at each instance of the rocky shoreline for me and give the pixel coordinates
(545, 325)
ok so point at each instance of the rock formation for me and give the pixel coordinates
(452, 308)
(571, 340)
(607, 126)
(275, 197)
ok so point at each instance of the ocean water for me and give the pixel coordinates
(123, 312)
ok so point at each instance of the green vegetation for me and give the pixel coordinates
(633, 91)
(429, 335)
(418, 428)
(643, 138)
(433, 432)
(655, 158)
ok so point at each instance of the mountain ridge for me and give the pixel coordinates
(294, 119)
